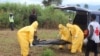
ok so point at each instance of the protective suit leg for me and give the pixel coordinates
(77, 44)
(24, 45)
(69, 45)
(74, 46)
(25, 48)
(80, 48)
(81, 38)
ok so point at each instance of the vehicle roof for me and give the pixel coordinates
(95, 12)
(74, 8)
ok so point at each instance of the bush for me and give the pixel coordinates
(48, 52)
(48, 17)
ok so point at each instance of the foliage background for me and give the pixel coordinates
(48, 17)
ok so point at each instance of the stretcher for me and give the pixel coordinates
(50, 42)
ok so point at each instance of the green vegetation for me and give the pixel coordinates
(48, 17)
(48, 52)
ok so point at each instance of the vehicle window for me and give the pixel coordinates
(70, 13)
(97, 19)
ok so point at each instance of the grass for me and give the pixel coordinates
(47, 52)
(47, 34)
(9, 45)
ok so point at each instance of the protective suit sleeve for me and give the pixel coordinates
(31, 35)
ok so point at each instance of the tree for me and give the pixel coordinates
(46, 2)
(56, 2)
(86, 6)
(78, 5)
(99, 9)
(51, 2)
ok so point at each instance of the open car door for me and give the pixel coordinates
(81, 17)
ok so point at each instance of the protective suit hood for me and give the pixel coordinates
(34, 25)
(69, 25)
(61, 26)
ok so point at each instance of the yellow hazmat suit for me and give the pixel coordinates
(64, 33)
(25, 37)
(77, 38)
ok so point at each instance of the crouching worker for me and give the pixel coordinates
(77, 38)
(65, 35)
(26, 36)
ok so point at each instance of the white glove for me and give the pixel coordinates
(31, 45)
(85, 41)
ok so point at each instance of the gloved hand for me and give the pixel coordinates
(36, 40)
(31, 45)
(85, 41)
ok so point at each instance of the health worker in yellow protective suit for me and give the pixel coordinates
(25, 37)
(65, 34)
(77, 38)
